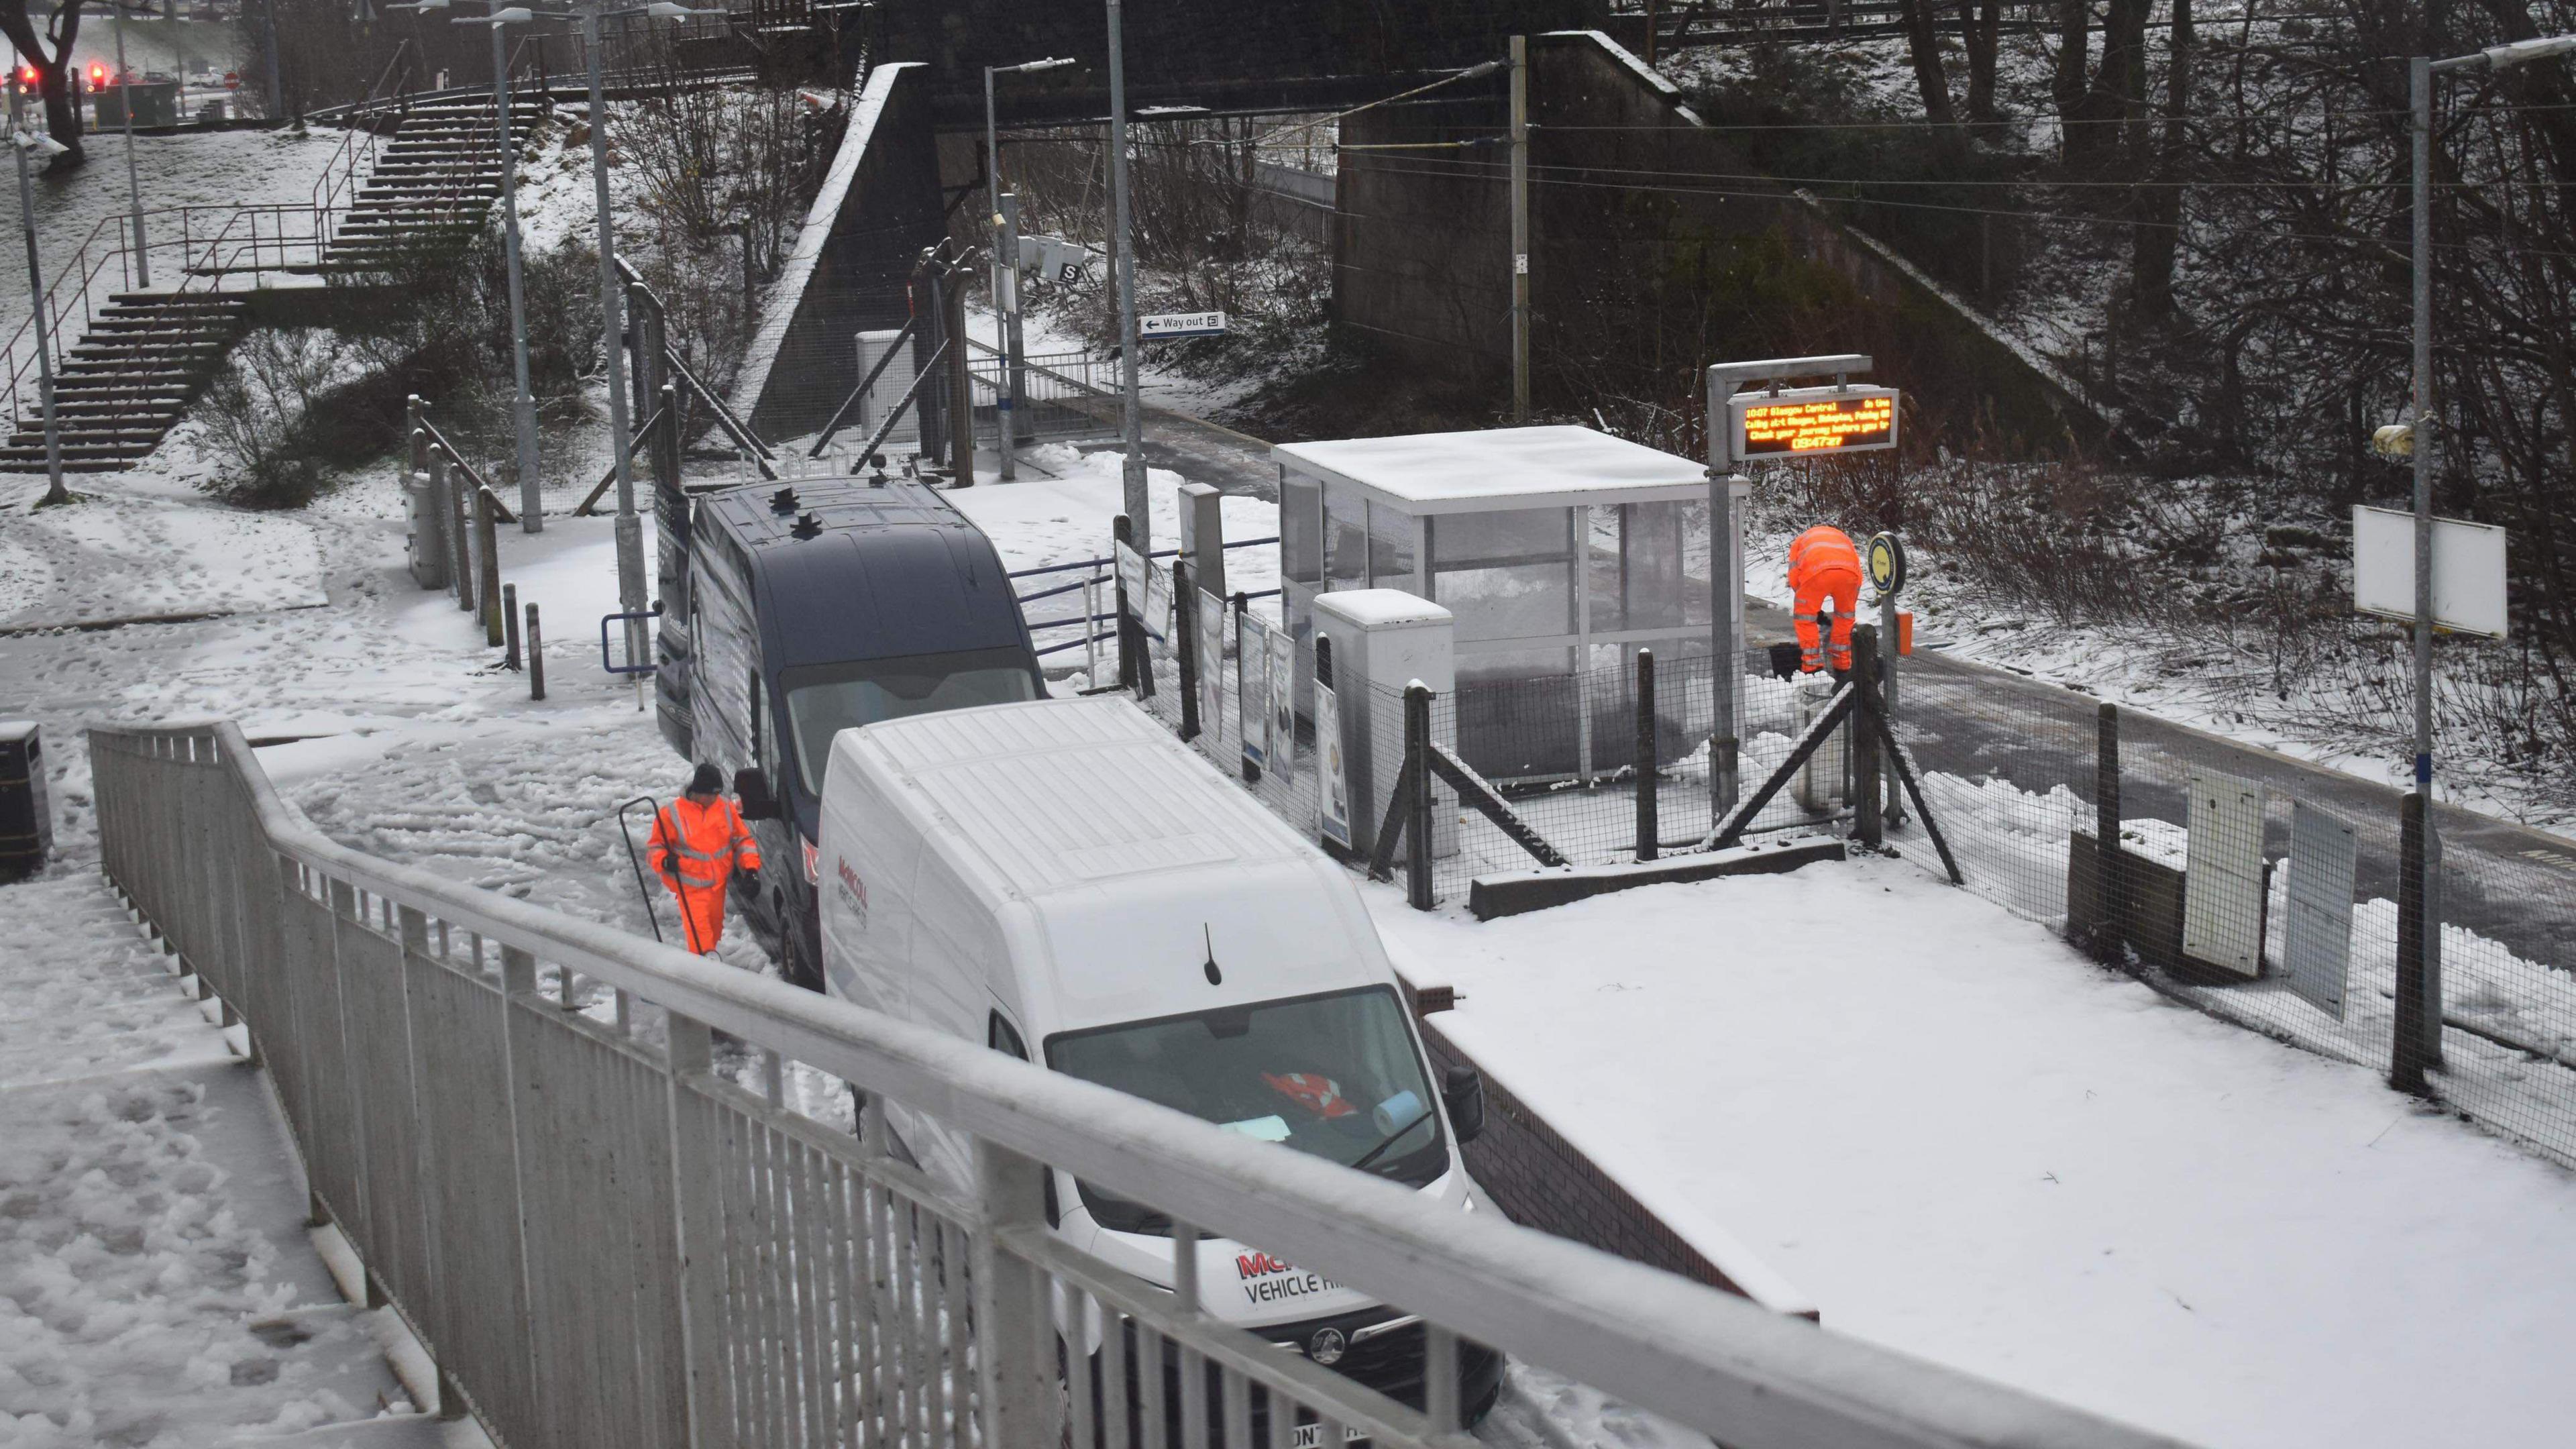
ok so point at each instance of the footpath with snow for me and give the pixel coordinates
(158, 1286)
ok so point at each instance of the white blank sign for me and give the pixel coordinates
(2468, 570)
(2222, 884)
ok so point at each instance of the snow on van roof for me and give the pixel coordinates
(1488, 468)
(1071, 792)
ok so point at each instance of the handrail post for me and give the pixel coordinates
(487, 587)
(1017, 1384)
(1867, 798)
(1185, 646)
(1417, 824)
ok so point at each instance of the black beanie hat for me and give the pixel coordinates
(707, 781)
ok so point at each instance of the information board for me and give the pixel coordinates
(2468, 570)
(1252, 689)
(1809, 422)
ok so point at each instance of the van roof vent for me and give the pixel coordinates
(783, 501)
(808, 525)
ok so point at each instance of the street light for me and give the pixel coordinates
(2419, 1022)
(1006, 263)
(23, 141)
(1131, 425)
(133, 186)
(630, 529)
(523, 404)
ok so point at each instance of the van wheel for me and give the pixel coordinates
(793, 965)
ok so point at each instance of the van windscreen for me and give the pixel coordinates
(1335, 1075)
(825, 699)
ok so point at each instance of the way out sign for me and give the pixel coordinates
(1170, 325)
(1808, 422)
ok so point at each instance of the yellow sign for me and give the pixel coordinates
(1812, 421)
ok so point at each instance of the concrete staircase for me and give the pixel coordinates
(145, 358)
(147, 355)
(431, 188)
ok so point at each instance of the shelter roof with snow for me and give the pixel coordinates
(1473, 472)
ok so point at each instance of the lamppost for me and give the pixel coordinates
(1131, 426)
(133, 185)
(630, 528)
(23, 141)
(2420, 439)
(1006, 264)
(523, 402)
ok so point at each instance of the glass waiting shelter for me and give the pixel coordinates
(1560, 550)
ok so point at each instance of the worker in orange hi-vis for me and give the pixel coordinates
(1823, 565)
(698, 843)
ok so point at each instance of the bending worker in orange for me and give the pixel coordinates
(1823, 565)
(698, 842)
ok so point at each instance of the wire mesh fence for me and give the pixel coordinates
(2254, 887)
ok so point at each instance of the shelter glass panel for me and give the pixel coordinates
(1391, 550)
(1301, 528)
(1345, 538)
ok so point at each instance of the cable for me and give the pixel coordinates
(2040, 216)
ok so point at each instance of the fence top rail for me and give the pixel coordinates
(1722, 1364)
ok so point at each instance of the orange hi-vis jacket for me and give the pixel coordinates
(1824, 565)
(694, 849)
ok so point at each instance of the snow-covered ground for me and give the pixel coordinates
(1967, 1143)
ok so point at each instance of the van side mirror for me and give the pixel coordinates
(1462, 1089)
(751, 787)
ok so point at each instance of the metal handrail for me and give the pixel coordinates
(364, 983)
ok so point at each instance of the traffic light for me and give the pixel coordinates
(97, 76)
(27, 77)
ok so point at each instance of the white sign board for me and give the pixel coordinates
(2316, 949)
(2222, 882)
(1211, 667)
(2468, 570)
(1170, 325)
(1131, 577)
(1333, 795)
(1252, 690)
(1283, 702)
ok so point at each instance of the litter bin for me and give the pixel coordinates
(26, 826)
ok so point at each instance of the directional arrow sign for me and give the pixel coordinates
(1180, 324)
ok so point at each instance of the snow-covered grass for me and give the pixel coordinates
(1969, 1144)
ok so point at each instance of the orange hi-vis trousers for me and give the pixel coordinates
(695, 849)
(1824, 565)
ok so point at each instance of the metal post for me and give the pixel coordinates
(1006, 266)
(133, 184)
(1131, 429)
(1862, 752)
(961, 386)
(630, 528)
(2415, 1027)
(2419, 78)
(1417, 822)
(1647, 827)
(1520, 230)
(54, 490)
(2110, 907)
(487, 591)
(1016, 1373)
(1123, 530)
(1185, 642)
(1014, 344)
(536, 657)
(510, 625)
(523, 405)
(1895, 809)
(1726, 602)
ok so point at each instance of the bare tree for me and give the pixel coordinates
(2156, 237)
(50, 55)
(1923, 42)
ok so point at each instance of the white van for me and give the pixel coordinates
(1064, 875)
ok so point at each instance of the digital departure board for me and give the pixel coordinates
(1811, 422)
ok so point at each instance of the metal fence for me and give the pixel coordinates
(515, 1118)
(2250, 885)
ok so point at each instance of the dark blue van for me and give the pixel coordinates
(815, 607)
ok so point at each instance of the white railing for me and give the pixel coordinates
(517, 1120)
